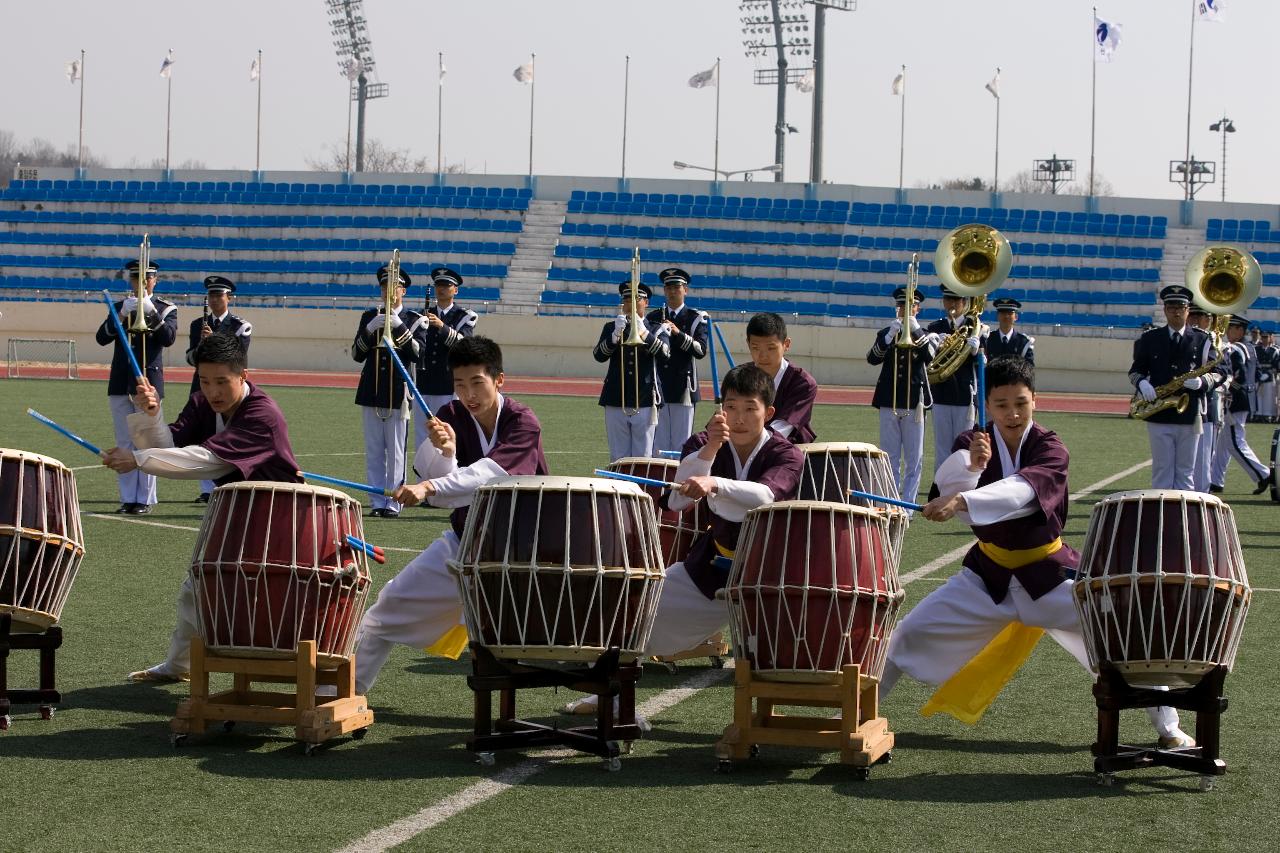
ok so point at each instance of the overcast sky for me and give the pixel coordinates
(951, 50)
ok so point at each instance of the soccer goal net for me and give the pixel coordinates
(40, 358)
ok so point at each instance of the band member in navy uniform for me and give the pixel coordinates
(632, 393)
(794, 390)
(1232, 440)
(1268, 364)
(902, 392)
(1159, 355)
(216, 320)
(1213, 403)
(953, 397)
(1005, 339)
(229, 430)
(447, 323)
(137, 489)
(687, 332)
(383, 400)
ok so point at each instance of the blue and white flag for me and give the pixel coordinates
(1106, 38)
(166, 67)
(1210, 10)
(710, 77)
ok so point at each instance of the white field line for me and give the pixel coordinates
(473, 795)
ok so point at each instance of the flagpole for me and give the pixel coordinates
(533, 82)
(347, 91)
(440, 119)
(902, 128)
(1191, 54)
(257, 159)
(168, 112)
(1093, 102)
(716, 159)
(626, 91)
(995, 181)
(80, 159)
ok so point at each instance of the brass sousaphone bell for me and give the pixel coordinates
(972, 261)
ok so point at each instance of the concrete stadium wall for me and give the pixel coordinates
(320, 339)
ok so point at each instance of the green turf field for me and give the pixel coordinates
(102, 774)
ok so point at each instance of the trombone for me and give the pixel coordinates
(388, 300)
(633, 339)
(904, 341)
(138, 322)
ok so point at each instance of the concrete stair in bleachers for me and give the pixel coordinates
(1179, 245)
(527, 272)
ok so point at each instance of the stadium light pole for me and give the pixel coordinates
(1053, 171)
(820, 8)
(351, 42)
(1192, 174)
(1224, 126)
(776, 168)
(785, 21)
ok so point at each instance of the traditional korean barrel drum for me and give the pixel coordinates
(1162, 591)
(676, 530)
(832, 468)
(272, 567)
(560, 568)
(41, 541)
(813, 588)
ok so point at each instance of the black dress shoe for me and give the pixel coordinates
(139, 509)
(124, 508)
(1265, 483)
(202, 498)
(1213, 490)
(376, 512)
(390, 513)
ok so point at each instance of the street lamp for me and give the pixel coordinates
(773, 167)
(1053, 172)
(1192, 175)
(1224, 126)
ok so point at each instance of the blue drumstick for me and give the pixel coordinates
(715, 370)
(720, 335)
(68, 433)
(631, 478)
(670, 454)
(124, 336)
(982, 390)
(408, 380)
(867, 496)
(350, 484)
(375, 553)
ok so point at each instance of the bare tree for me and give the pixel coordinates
(378, 158)
(1023, 182)
(955, 184)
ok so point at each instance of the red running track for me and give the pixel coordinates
(1110, 404)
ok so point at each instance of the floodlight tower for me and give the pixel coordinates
(782, 27)
(351, 41)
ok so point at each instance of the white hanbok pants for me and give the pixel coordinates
(685, 617)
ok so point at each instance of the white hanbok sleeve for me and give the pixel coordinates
(430, 463)
(147, 431)
(733, 499)
(692, 465)
(456, 488)
(1002, 500)
(182, 463)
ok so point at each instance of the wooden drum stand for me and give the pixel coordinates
(714, 648)
(859, 733)
(46, 642)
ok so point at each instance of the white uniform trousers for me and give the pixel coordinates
(384, 452)
(436, 402)
(415, 608)
(902, 437)
(675, 425)
(135, 487)
(1266, 399)
(685, 617)
(629, 435)
(1173, 455)
(956, 621)
(178, 661)
(948, 422)
(1234, 444)
(207, 486)
(1204, 457)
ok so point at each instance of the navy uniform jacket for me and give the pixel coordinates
(162, 331)
(625, 361)
(1268, 363)
(228, 325)
(381, 385)
(1157, 360)
(1244, 371)
(912, 387)
(678, 373)
(961, 387)
(1018, 344)
(433, 375)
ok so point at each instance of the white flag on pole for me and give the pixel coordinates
(255, 70)
(1211, 10)
(899, 83)
(705, 78)
(524, 74)
(1106, 38)
(73, 71)
(166, 67)
(805, 83)
(994, 86)
(443, 72)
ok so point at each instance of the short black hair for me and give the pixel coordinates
(1010, 370)
(747, 380)
(477, 350)
(221, 349)
(767, 325)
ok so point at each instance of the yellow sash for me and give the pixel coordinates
(450, 644)
(967, 694)
(724, 552)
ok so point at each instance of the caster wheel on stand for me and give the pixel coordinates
(887, 758)
(625, 748)
(717, 662)
(862, 773)
(5, 722)
(1207, 783)
(46, 712)
(177, 740)
(1107, 780)
(724, 765)
(359, 734)
(486, 759)
(228, 725)
(613, 764)
(755, 750)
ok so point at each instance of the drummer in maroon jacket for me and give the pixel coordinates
(229, 431)
(477, 437)
(794, 390)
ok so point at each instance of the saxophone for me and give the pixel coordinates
(1171, 395)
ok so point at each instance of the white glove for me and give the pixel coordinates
(915, 325)
(1146, 390)
(1195, 383)
(130, 303)
(619, 323)
(973, 345)
(148, 307)
(891, 333)
(375, 324)
(396, 322)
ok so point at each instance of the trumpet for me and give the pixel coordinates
(632, 340)
(1223, 280)
(972, 261)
